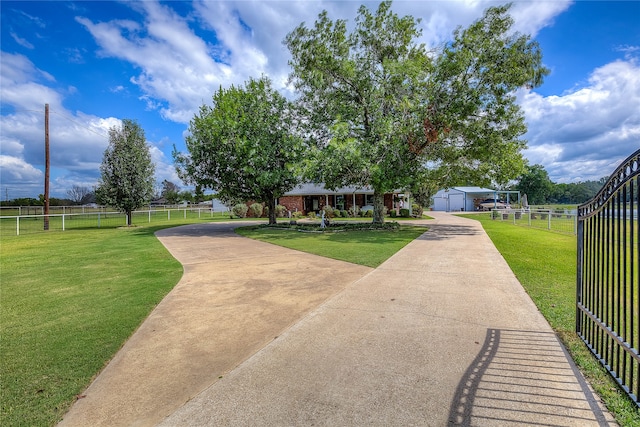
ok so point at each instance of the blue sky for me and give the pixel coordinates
(96, 63)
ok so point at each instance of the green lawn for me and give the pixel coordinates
(545, 264)
(370, 248)
(69, 300)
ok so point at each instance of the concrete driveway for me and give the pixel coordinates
(440, 334)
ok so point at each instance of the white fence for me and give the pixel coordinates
(561, 220)
(28, 224)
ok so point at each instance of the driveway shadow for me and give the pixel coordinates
(447, 231)
(523, 378)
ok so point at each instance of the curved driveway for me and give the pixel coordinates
(440, 334)
(236, 296)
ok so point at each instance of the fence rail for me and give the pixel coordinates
(561, 220)
(607, 286)
(29, 224)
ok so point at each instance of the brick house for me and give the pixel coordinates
(307, 198)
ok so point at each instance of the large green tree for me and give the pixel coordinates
(244, 147)
(535, 183)
(127, 172)
(383, 109)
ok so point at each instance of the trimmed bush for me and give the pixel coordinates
(344, 214)
(369, 214)
(393, 213)
(417, 210)
(280, 211)
(311, 215)
(404, 213)
(256, 210)
(354, 211)
(240, 210)
(354, 226)
(328, 211)
(296, 214)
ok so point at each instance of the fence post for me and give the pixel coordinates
(185, 213)
(149, 216)
(549, 220)
(17, 226)
(62, 222)
(98, 219)
(168, 214)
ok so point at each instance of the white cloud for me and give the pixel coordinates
(22, 42)
(177, 72)
(14, 169)
(180, 70)
(77, 140)
(583, 135)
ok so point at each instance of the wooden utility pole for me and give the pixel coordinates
(47, 164)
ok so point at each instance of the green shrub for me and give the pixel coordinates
(296, 215)
(354, 211)
(417, 210)
(369, 213)
(240, 210)
(280, 211)
(328, 211)
(256, 210)
(311, 215)
(393, 213)
(344, 214)
(404, 213)
(337, 213)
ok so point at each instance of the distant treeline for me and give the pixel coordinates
(30, 201)
(575, 193)
(535, 183)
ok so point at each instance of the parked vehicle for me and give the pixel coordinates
(488, 204)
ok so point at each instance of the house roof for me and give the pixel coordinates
(309, 189)
(474, 190)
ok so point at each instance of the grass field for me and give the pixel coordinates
(370, 248)
(545, 264)
(69, 300)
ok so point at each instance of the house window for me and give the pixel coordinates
(340, 202)
(368, 199)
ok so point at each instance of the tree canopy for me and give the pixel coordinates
(540, 190)
(127, 172)
(384, 111)
(244, 147)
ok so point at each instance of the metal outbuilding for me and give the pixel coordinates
(458, 199)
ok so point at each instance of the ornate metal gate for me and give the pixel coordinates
(608, 307)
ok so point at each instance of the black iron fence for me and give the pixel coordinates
(608, 306)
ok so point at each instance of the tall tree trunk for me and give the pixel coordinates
(272, 210)
(378, 207)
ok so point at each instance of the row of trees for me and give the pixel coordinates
(374, 108)
(540, 190)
